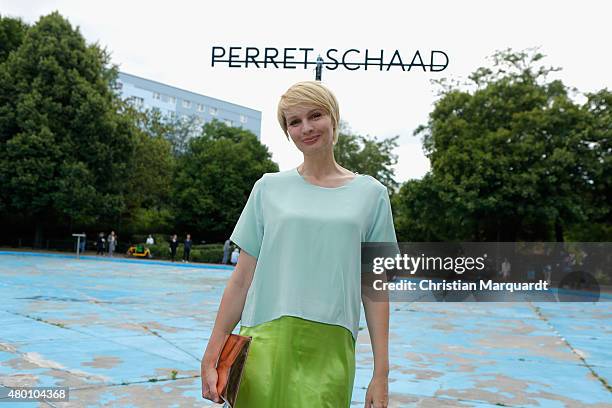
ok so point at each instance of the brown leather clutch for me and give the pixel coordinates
(230, 367)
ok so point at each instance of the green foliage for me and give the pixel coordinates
(366, 155)
(12, 31)
(73, 155)
(514, 158)
(417, 209)
(214, 178)
(64, 148)
(181, 130)
(209, 253)
(598, 194)
(148, 185)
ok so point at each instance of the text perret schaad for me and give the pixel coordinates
(351, 59)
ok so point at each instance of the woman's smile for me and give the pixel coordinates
(310, 140)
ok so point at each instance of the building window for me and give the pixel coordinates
(186, 104)
(137, 101)
(228, 122)
(156, 95)
(200, 107)
(119, 85)
(213, 111)
(173, 99)
(243, 119)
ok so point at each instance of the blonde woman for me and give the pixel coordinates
(297, 286)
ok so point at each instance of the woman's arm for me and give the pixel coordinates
(376, 306)
(228, 316)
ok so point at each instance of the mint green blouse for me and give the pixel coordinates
(307, 241)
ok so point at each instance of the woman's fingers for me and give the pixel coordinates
(212, 385)
(209, 384)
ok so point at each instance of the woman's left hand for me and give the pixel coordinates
(377, 395)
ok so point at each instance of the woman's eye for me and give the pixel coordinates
(316, 115)
(293, 123)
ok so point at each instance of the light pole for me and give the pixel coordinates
(319, 68)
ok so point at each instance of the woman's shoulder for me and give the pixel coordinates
(372, 184)
(275, 178)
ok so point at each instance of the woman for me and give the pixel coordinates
(173, 247)
(297, 287)
(112, 243)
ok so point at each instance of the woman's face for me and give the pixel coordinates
(310, 128)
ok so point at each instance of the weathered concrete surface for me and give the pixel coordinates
(131, 333)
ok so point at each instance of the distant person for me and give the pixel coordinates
(235, 255)
(187, 248)
(150, 240)
(548, 273)
(227, 247)
(112, 243)
(100, 244)
(531, 274)
(173, 246)
(505, 269)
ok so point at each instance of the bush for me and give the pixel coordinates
(208, 253)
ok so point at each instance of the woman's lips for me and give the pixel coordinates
(310, 140)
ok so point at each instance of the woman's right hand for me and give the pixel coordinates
(230, 310)
(209, 382)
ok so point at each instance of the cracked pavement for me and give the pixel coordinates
(130, 333)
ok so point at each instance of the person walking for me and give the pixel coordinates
(296, 289)
(187, 248)
(173, 246)
(150, 240)
(112, 242)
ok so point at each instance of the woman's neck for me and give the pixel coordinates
(320, 166)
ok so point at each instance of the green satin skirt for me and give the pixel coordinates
(297, 363)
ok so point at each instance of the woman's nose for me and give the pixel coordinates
(307, 126)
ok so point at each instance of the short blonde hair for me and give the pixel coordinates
(309, 93)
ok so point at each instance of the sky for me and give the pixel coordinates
(171, 42)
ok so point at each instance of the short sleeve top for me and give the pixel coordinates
(307, 241)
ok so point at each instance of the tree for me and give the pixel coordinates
(12, 31)
(177, 130)
(423, 214)
(366, 155)
(149, 185)
(598, 194)
(510, 158)
(65, 151)
(215, 177)
(181, 130)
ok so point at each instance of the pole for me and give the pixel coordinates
(78, 243)
(319, 68)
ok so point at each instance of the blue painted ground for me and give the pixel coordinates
(125, 333)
